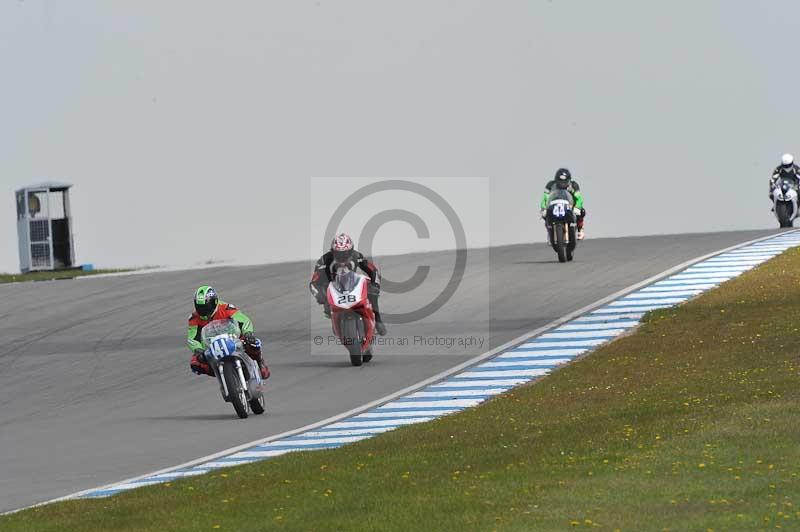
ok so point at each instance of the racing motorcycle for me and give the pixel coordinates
(561, 224)
(785, 201)
(352, 317)
(238, 375)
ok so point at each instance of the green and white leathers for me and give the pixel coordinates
(208, 307)
(573, 189)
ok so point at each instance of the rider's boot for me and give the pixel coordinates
(580, 235)
(380, 327)
(264, 370)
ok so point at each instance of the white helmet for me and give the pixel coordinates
(787, 159)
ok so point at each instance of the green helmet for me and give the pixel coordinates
(205, 301)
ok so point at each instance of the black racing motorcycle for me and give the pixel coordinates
(561, 223)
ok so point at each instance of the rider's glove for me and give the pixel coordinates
(198, 363)
(543, 213)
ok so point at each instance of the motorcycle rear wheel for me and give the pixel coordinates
(257, 405)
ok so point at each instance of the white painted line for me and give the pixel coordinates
(543, 353)
(349, 432)
(256, 454)
(698, 288)
(606, 333)
(751, 257)
(594, 318)
(222, 465)
(564, 343)
(702, 275)
(668, 292)
(387, 423)
(657, 301)
(478, 382)
(132, 485)
(718, 280)
(713, 263)
(671, 281)
(508, 373)
(618, 324)
(616, 310)
(463, 403)
(735, 267)
(413, 413)
(511, 363)
(460, 393)
(320, 441)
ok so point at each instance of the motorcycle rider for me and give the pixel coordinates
(563, 179)
(786, 170)
(208, 307)
(343, 253)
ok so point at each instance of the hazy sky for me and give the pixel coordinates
(192, 129)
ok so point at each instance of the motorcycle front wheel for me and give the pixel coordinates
(561, 245)
(782, 211)
(236, 393)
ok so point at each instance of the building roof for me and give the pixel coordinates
(52, 185)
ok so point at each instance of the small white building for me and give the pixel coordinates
(44, 227)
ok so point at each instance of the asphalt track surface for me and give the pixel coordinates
(94, 379)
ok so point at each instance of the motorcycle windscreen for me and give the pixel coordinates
(561, 194)
(218, 328)
(346, 281)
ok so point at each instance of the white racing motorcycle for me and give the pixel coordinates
(352, 316)
(785, 197)
(238, 375)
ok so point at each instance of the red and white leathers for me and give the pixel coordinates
(361, 305)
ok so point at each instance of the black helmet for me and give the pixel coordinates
(562, 178)
(205, 301)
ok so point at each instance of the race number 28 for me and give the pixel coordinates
(346, 298)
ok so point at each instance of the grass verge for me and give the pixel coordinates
(52, 275)
(691, 423)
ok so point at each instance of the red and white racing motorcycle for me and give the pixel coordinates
(351, 314)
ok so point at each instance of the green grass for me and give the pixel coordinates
(691, 423)
(51, 276)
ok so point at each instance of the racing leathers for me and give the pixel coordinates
(791, 173)
(324, 272)
(573, 189)
(224, 311)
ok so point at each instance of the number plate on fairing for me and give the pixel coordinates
(346, 300)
